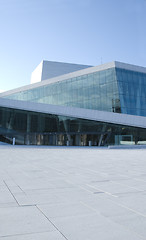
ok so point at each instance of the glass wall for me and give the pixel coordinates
(132, 91)
(114, 90)
(48, 129)
(97, 91)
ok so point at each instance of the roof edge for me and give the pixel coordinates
(81, 113)
(60, 78)
(130, 67)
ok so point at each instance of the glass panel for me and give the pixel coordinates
(132, 91)
(82, 91)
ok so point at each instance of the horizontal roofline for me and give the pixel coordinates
(95, 115)
(80, 64)
(75, 64)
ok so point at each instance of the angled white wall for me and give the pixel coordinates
(36, 75)
(48, 69)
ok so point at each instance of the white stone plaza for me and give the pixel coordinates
(72, 193)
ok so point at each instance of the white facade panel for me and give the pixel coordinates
(54, 69)
(37, 74)
(48, 69)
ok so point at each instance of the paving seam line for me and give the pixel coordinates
(52, 223)
(11, 193)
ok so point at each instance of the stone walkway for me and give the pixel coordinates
(57, 193)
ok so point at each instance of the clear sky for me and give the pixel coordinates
(74, 31)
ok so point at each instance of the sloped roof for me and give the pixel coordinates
(95, 115)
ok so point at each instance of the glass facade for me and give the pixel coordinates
(98, 90)
(114, 90)
(48, 129)
(132, 91)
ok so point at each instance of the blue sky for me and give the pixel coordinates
(75, 31)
